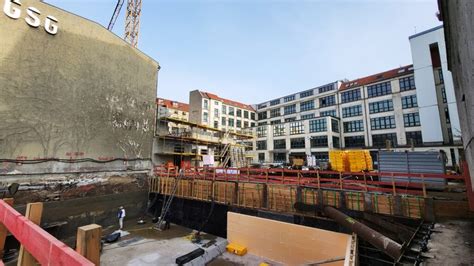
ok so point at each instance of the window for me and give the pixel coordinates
(205, 117)
(328, 113)
(261, 115)
(380, 140)
(319, 141)
(409, 101)
(289, 98)
(224, 109)
(381, 106)
(275, 102)
(407, 83)
(326, 88)
(307, 116)
(246, 114)
(246, 124)
(379, 89)
(205, 104)
(443, 94)
(278, 130)
(297, 143)
(231, 110)
(411, 120)
(296, 128)
(327, 101)
(216, 124)
(335, 142)
(350, 96)
(279, 157)
(216, 112)
(252, 115)
(262, 123)
(261, 145)
(261, 157)
(321, 156)
(353, 126)
(384, 122)
(354, 141)
(275, 112)
(261, 131)
(239, 112)
(231, 122)
(414, 138)
(279, 144)
(290, 119)
(306, 93)
(306, 106)
(335, 125)
(239, 123)
(290, 109)
(440, 74)
(351, 111)
(252, 124)
(273, 122)
(261, 106)
(223, 121)
(318, 125)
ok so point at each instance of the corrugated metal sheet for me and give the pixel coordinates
(413, 162)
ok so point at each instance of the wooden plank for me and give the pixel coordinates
(33, 213)
(3, 229)
(88, 242)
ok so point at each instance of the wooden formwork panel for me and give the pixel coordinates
(224, 192)
(165, 185)
(281, 198)
(383, 204)
(355, 201)
(413, 207)
(250, 195)
(332, 198)
(309, 196)
(154, 185)
(202, 190)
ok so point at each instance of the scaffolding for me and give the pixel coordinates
(183, 144)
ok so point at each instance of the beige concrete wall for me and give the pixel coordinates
(82, 92)
(283, 242)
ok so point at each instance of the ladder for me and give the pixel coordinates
(167, 204)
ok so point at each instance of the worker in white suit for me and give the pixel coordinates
(121, 215)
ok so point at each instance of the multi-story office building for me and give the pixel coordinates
(173, 109)
(219, 113)
(375, 112)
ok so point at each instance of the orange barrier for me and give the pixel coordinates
(46, 249)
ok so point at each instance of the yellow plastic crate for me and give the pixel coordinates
(236, 249)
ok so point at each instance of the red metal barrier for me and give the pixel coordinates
(394, 183)
(46, 249)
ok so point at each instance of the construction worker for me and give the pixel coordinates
(120, 216)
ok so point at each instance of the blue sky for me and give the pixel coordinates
(256, 50)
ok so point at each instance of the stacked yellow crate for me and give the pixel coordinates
(368, 160)
(357, 162)
(338, 160)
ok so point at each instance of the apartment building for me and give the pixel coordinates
(219, 113)
(375, 112)
(173, 109)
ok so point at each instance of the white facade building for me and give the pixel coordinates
(216, 112)
(375, 112)
(435, 89)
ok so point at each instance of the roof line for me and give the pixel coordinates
(425, 32)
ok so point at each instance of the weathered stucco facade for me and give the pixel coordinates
(80, 93)
(77, 111)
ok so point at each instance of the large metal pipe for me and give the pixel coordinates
(383, 243)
